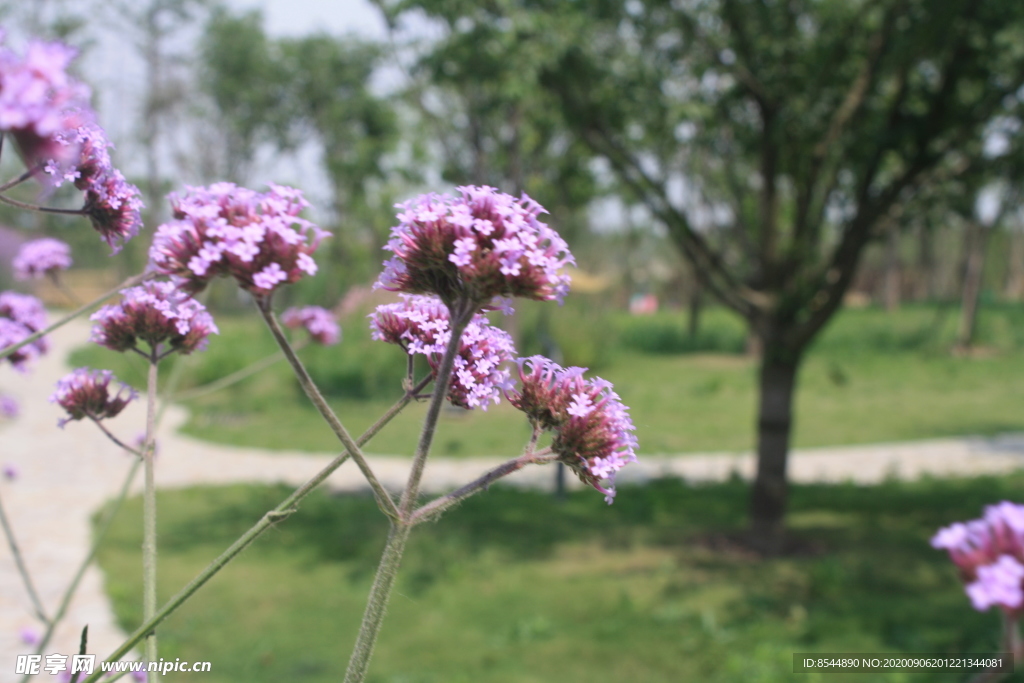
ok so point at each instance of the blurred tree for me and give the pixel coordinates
(288, 93)
(480, 98)
(808, 121)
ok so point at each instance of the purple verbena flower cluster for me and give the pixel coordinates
(421, 325)
(86, 393)
(990, 555)
(21, 316)
(39, 101)
(258, 238)
(112, 204)
(156, 313)
(593, 433)
(480, 245)
(320, 323)
(41, 257)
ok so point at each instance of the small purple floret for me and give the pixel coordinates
(21, 316)
(420, 324)
(478, 246)
(9, 407)
(593, 433)
(156, 313)
(320, 323)
(257, 238)
(989, 552)
(86, 393)
(41, 257)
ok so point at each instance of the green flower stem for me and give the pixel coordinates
(439, 505)
(130, 282)
(43, 209)
(282, 511)
(384, 499)
(19, 562)
(104, 526)
(149, 512)
(387, 570)
(117, 441)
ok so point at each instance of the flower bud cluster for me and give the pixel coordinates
(421, 325)
(990, 555)
(112, 204)
(591, 427)
(320, 323)
(257, 238)
(155, 313)
(86, 393)
(39, 101)
(41, 257)
(21, 316)
(480, 245)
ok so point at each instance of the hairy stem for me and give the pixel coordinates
(439, 505)
(43, 209)
(149, 512)
(384, 499)
(391, 559)
(19, 561)
(282, 511)
(130, 282)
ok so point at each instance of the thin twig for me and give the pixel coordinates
(19, 561)
(42, 209)
(149, 510)
(110, 435)
(383, 497)
(439, 505)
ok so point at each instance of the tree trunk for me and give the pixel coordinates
(1015, 268)
(696, 304)
(777, 383)
(893, 277)
(977, 242)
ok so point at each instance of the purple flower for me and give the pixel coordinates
(998, 584)
(593, 433)
(9, 407)
(41, 257)
(21, 316)
(29, 636)
(10, 471)
(156, 313)
(86, 393)
(420, 324)
(140, 676)
(989, 552)
(39, 101)
(478, 246)
(320, 323)
(257, 238)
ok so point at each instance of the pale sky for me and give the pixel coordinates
(300, 17)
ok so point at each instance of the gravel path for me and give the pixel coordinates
(66, 475)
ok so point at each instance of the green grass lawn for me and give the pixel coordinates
(873, 377)
(514, 587)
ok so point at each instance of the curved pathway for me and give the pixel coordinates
(66, 475)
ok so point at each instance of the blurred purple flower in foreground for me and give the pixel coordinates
(990, 555)
(420, 324)
(480, 245)
(41, 257)
(257, 238)
(320, 323)
(86, 393)
(592, 429)
(9, 407)
(21, 316)
(156, 313)
(29, 636)
(10, 471)
(39, 101)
